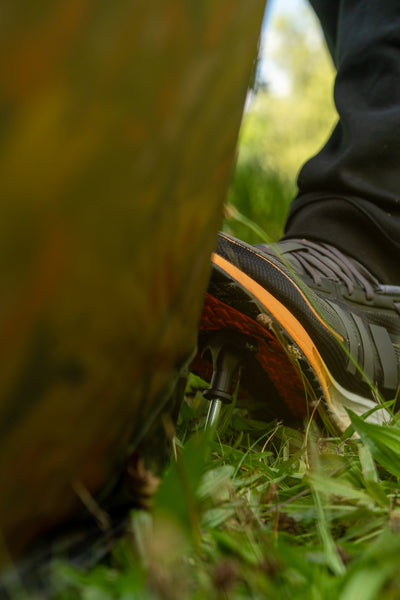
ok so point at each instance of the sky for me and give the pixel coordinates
(278, 82)
(283, 6)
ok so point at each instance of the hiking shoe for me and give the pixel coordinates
(326, 332)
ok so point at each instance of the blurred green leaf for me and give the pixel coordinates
(364, 585)
(331, 555)
(340, 488)
(383, 442)
(177, 495)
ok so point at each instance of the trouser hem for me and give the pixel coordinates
(355, 226)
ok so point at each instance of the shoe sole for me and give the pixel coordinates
(285, 351)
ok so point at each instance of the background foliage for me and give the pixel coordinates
(280, 131)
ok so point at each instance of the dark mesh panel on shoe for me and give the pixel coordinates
(313, 308)
(265, 272)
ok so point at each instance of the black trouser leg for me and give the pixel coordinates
(349, 193)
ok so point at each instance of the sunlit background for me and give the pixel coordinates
(302, 18)
(289, 115)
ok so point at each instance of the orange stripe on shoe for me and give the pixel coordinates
(306, 300)
(293, 327)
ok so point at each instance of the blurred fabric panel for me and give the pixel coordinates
(118, 128)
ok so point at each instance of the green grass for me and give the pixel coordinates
(259, 511)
